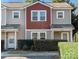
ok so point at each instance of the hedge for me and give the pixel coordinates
(24, 44)
(2, 44)
(39, 45)
(68, 50)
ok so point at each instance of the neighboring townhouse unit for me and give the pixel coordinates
(35, 21)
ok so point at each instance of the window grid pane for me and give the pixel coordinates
(34, 35)
(34, 15)
(42, 35)
(60, 14)
(16, 15)
(42, 15)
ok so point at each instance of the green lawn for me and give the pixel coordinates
(68, 50)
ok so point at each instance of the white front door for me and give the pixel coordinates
(65, 35)
(11, 41)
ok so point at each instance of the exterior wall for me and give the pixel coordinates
(38, 25)
(57, 34)
(67, 17)
(21, 21)
(3, 16)
(29, 34)
(2, 36)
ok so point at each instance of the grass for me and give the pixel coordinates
(68, 50)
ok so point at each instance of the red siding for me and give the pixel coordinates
(38, 24)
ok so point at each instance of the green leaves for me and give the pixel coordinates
(68, 50)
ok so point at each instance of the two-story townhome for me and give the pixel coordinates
(49, 21)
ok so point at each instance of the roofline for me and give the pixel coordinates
(4, 5)
(38, 2)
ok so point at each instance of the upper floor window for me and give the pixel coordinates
(16, 14)
(38, 15)
(60, 14)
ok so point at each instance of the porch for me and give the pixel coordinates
(9, 35)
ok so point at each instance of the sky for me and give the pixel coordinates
(73, 1)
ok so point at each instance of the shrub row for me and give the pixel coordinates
(39, 45)
(2, 44)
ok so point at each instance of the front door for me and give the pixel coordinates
(11, 41)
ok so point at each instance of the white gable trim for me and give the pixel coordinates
(38, 2)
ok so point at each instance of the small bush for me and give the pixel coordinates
(2, 44)
(25, 44)
(46, 45)
(68, 50)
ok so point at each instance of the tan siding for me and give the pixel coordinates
(3, 20)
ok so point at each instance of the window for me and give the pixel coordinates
(60, 14)
(38, 35)
(16, 14)
(34, 36)
(38, 15)
(11, 41)
(42, 35)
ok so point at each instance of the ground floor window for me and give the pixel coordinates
(42, 35)
(34, 36)
(38, 35)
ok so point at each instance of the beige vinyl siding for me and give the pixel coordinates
(21, 21)
(2, 36)
(67, 17)
(3, 16)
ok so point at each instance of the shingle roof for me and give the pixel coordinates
(54, 5)
(61, 5)
(62, 26)
(10, 26)
(15, 5)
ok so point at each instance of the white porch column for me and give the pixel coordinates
(71, 39)
(5, 42)
(52, 35)
(15, 39)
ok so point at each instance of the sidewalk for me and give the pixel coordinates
(30, 55)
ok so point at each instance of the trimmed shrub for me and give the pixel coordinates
(46, 45)
(39, 45)
(2, 44)
(25, 44)
(68, 50)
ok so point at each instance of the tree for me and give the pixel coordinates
(61, 1)
(31, 1)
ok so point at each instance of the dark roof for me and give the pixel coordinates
(10, 26)
(62, 26)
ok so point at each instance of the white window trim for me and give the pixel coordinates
(38, 11)
(57, 14)
(13, 14)
(38, 34)
(65, 33)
